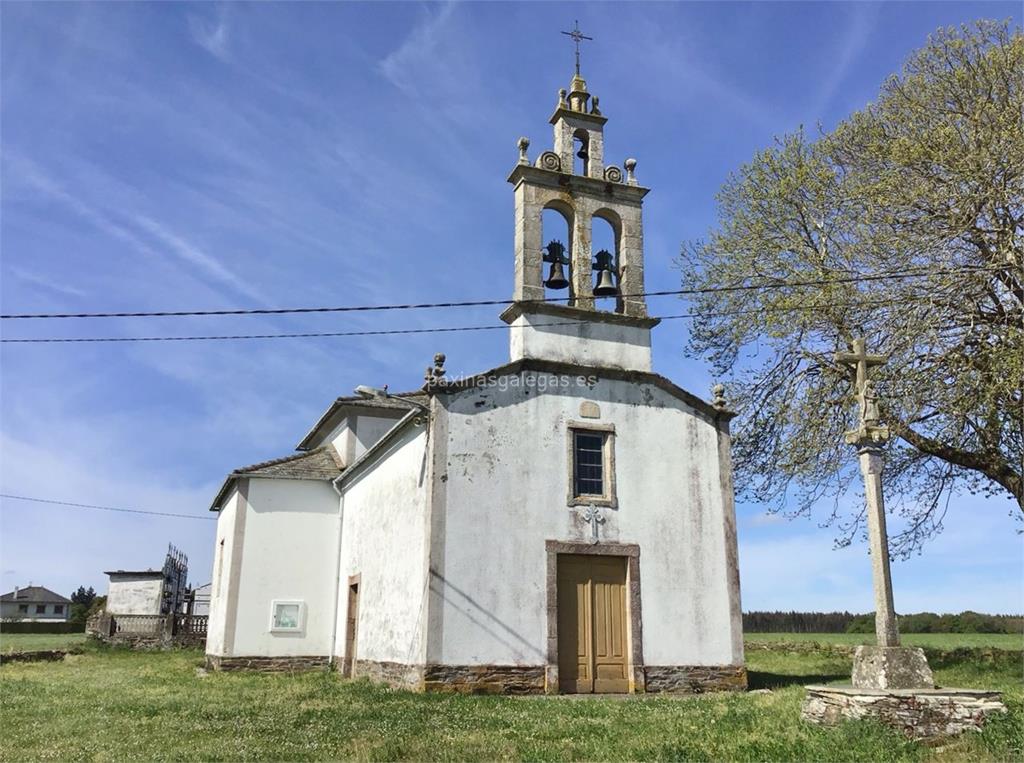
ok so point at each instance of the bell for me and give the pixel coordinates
(605, 285)
(582, 153)
(556, 276)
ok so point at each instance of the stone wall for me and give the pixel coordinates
(267, 664)
(695, 679)
(484, 679)
(396, 674)
(917, 713)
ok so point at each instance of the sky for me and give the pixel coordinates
(162, 156)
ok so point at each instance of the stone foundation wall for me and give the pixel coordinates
(396, 674)
(918, 714)
(695, 679)
(484, 679)
(267, 664)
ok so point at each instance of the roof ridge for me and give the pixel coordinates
(276, 461)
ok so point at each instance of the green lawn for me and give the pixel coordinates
(109, 704)
(30, 642)
(933, 640)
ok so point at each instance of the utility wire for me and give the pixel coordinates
(913, 273)
(433, 330)
(105, 508)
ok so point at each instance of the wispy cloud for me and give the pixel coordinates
(193, 255)
(47, 283)
(213, 35)
(419, 47)
(862, 24)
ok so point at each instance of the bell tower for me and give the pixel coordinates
(576, 330)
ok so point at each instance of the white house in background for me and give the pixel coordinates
(34, 603)
(561, 523)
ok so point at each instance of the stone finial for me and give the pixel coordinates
(523, 143)
(562, 102)
(718, 399)
(593, 107)
(434, 375)
(630, 165)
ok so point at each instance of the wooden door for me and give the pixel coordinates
(592, 642)
(351, 625)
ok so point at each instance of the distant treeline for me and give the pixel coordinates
(846, 622)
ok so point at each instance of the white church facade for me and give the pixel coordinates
(562, 523)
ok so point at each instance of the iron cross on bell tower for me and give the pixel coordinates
(577, 37)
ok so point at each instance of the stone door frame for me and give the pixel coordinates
(631, 552)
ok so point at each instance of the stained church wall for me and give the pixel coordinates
(507, 493)
(383, 542)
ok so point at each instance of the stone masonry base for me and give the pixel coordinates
(530, 679)
(266, 664)
(695, 679)
(918, 713)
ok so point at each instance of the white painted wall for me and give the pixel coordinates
(580, 342)
(383, 540)
(507, 486)
(221, 580)
(9, 610)
(289, 552)
(369, 429)
(135, 594)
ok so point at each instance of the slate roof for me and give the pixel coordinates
(323, 463)
(393, 403)
(35, 594)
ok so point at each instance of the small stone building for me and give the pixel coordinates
(561, 523)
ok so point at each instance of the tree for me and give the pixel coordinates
(81, 601)
(922, 192)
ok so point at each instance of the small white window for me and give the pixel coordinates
(287, 616)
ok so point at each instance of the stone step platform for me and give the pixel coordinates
(920, 714)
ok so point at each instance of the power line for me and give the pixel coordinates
(105, 508)
(912, 273)
(433, 330)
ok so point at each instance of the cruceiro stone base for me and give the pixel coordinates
(891, 667)
(695, 679)
(921, 714)
(267, 664)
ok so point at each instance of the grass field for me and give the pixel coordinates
(109, 704)
(30, 642)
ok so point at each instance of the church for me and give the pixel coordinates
(563, 523)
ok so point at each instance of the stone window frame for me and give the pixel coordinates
(610, 498)
(301, 620)
(631, 552)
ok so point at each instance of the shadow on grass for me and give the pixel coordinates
(759, 680)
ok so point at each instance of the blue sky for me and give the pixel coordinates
(176, 156)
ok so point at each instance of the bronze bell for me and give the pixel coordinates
(583, 153)
(556, 277)
(605, 286)
(556, 256)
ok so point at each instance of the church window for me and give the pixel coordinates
(287, 616)
(592, 464)
(589, 471)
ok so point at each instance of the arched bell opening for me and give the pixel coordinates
(581, 153)
(605, 243)
(556, 255)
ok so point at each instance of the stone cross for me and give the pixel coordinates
(868, 437)
(592, 515)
